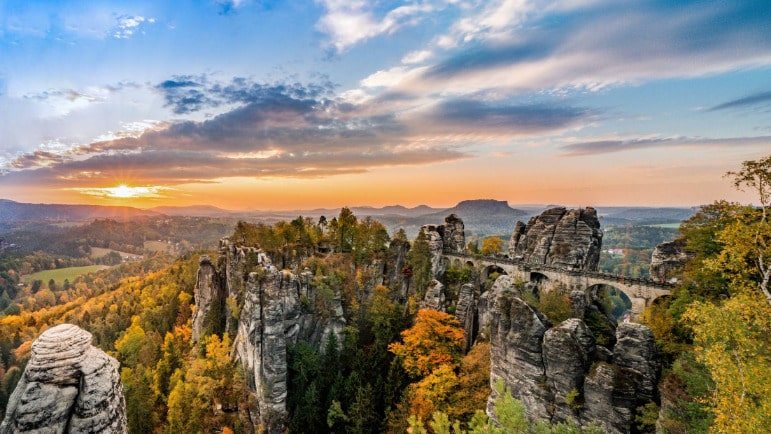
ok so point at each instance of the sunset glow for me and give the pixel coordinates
(363, 103)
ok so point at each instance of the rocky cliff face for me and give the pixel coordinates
(279, 308)
(560, 374)
(668, 259)
(435, 298)
(559, 237)
(68, 386)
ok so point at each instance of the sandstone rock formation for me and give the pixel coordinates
(209, 293)
(435, 297)
(453, 234)
(561, 374)
(279, 308)
(466, 313)
(568, 353)
(436, 248)
(516, 355)
(559, 237)
(68, 386)
(668, 259)
(449, 237)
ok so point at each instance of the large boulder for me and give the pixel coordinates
(68, 386)
(435, 297)
(668, 260)
(559, 237)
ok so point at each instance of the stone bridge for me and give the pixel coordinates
(641, 292)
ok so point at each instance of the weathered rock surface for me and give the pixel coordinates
(209, 293)
(609, 397)
(453, 234)
(436, 248)
(449, 237)
(516, 356)
(568, 352)
(486, 302)
(668, 260)
(559, 237)
(279, 308)
(561, 374)
(68, 386)
(435, 297)
(466, 313)
(636, 349)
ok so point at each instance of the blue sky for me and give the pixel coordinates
(297, 104)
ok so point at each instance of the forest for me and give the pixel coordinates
(399, 368)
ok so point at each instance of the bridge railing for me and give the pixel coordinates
(529, 266)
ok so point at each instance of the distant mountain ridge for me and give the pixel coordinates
(16, 211)
(481, 216)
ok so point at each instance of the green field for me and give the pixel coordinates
(157, 246)
(62, 273)
(98, 252)
(666, 225)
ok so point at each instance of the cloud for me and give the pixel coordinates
(481, 117)
(277, 130)
(517, 47)
(760, 98)
(128, 25)
(350, 22)
(609, 146)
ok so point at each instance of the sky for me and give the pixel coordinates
(249, 104)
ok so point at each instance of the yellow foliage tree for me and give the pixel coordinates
(492, 246)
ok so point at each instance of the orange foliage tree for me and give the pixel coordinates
(431, 352)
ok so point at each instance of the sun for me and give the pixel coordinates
(123, 191)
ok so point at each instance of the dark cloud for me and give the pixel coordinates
(512, 117)
(751, 100)
(186, 94)
(608, 146)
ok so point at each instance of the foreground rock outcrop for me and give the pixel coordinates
(68, 386)
(559, 237)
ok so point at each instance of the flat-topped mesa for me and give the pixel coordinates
(68, 386)
(559, 237)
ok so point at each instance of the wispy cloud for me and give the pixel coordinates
(351, 22)
(609, 146)
(761, 98)
(519, 46)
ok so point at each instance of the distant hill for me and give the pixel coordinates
(11, 211)
(192, 211)
(618, 216)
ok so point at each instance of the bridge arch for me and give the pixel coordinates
(490, 269)
(619, 301)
